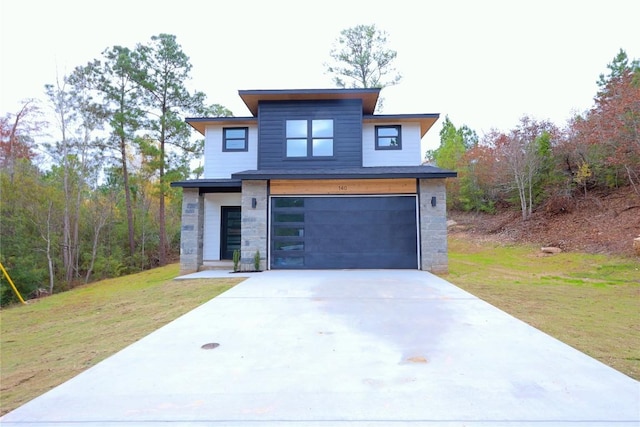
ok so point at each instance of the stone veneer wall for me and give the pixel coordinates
(191, 234)
(433, 226)
(254, 224)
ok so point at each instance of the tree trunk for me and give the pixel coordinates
(161, 214)
(102, 220)
(521, 196)
(127, 196)
(530, 185)
(49, 259)
(67, 256)
(76, 226)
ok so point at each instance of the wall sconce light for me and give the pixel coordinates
(254, 203)
(433, 201)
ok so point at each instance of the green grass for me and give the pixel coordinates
(591, 302)
(53, 339)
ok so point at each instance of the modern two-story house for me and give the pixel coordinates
(313, 179)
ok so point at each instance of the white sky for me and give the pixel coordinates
(484, 63)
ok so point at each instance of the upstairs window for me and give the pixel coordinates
(235, 139)
(309, 138)
(388, 138)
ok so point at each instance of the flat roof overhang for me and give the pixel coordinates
(418, 172)
(211, 185)
(251, 98)
(200, 123)
(425, 120)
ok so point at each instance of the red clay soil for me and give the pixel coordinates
(597, 223)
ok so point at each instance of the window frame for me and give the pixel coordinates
(310, 138)
(398, 128)
(225, 139)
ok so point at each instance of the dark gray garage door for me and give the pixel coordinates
(343, 232)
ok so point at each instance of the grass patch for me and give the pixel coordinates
(591, 302)
(53, 339)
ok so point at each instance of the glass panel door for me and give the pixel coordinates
(230, 236)
(287, 232)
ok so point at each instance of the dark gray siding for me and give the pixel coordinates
(347, 128)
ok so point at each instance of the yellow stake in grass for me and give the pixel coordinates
(11, 283)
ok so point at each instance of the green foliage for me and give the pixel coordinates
(361, 59)
(452, 146)
(256, 261)
(166, 68)
(609, 132)
(25, 207)
(124, 222)
(471, 196)
(466, 192)
(28, 273)
(535, 163)
(618, 67)
(236, 260)
(547, 179)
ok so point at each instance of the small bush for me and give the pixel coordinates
(236, 260)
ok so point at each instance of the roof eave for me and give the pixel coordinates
(200, 123)
(346, 174)
(369, 97)
(426, 121)
(211, 185)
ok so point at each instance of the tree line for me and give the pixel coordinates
(539, 164)
(94, 200)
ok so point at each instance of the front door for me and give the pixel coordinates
(230, 232)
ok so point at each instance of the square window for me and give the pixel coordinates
(388, 138)
(296, 148)
(322, 128)
(296, 128)
(235, 139)
(322, 147)
(309, 138)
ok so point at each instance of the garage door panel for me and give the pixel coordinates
(351, 260)
(354, 232)
(333, 217)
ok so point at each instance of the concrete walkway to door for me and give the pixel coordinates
(357, 348)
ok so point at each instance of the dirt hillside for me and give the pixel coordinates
(597, 223)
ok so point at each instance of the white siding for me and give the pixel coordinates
(221, 164)
(409, 155)
(212, 210)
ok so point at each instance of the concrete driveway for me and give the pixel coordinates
(359, 348)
